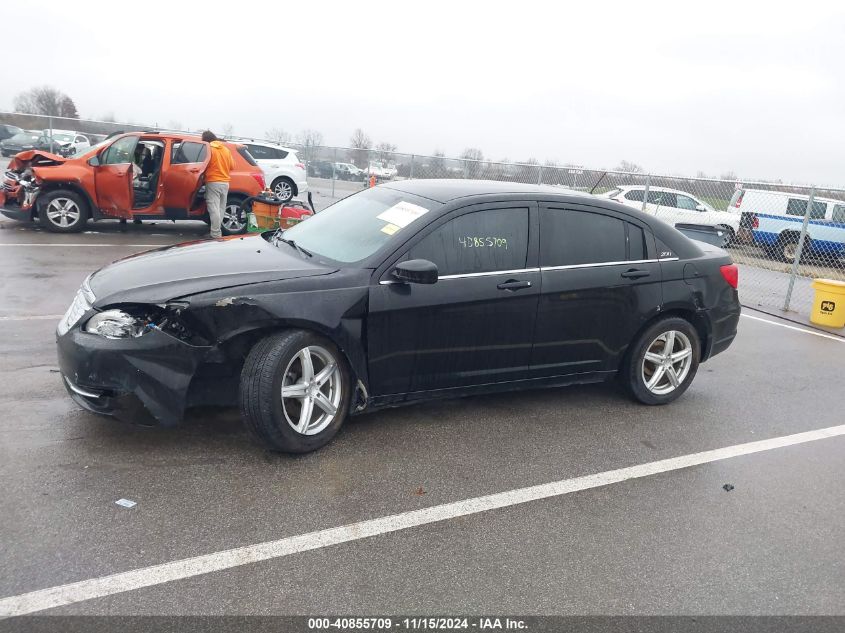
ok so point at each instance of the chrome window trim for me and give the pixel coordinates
(600, 264)
(387, 282)
(490, 273)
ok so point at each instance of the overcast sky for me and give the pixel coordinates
(676, 87)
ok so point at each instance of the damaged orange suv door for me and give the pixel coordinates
(113, 177)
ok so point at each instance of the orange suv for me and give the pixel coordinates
(137, 176)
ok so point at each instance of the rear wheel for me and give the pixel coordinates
(663, 361)
(234, 217)
(294, 391)
(63, 211)
(283, 189)
(786, 249)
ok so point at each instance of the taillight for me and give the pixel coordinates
(739, 200)
(301, 165)
(259, 178)
(755, 222)
(731, 274)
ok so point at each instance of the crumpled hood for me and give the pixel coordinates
(36, 157)
(189, 268)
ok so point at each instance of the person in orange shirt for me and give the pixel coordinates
(217, 177)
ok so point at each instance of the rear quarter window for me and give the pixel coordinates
(244, 152)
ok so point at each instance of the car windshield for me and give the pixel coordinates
(354, 228)
(24, 138)
(84, 150)
(63, 138)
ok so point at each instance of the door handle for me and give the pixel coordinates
(513, 284)
(635, 273)
(194, 170)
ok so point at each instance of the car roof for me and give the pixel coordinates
(666, 189)
(265, 143)
(445, 190)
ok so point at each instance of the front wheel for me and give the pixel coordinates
(662, 362)
(295, 391)
(63, 211)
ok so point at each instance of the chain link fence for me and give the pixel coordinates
(782, 236)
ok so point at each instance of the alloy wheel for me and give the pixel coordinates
(667, 362)
(311, 390)
(233, 220)
(283, 190)
(63, 212)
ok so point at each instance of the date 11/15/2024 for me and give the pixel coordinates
(483, 242)
(415, 623)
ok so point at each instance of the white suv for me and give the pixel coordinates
(283, 171)
(676, 207)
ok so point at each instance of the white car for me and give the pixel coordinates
(283, 171)
(66, 142)
(676, 207)
(381, 170)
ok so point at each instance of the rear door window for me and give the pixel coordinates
(662, 198)
(188, 152)
(636, 243)
(839, 213)
(479, 242)
(570, 238)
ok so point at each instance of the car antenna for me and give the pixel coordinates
(598, 182)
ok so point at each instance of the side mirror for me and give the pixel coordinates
(700, 207)
(416, 271)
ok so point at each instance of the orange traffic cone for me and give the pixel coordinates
(372, 180)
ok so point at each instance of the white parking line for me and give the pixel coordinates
(797, 329)
(40, 317)
(226, 559)
(61, 244)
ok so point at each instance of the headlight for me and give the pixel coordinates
(116, 324)
(82, 302)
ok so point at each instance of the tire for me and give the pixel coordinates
(277, 361)
(731, 236)
(63, 211)
(637, 368)
(284, 188)
(234, 217)
(787, 247)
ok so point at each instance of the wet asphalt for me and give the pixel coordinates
(670, 543)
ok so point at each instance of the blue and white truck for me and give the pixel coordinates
(774, 219)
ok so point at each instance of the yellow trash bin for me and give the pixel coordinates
(829, 303)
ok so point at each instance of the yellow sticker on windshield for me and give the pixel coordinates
(390, 229)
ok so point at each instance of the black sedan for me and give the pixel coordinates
(404, 292)
(21, 142)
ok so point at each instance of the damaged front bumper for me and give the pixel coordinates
(142, 380)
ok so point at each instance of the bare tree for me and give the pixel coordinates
(728, 175)
(310, 140)
(385, 150)
(108, 117)
(173, 124)
(227, 129)
(361, 143)
(472, 157)
(278, 135)
(44, 100)
(532, 161)
(629, 167)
